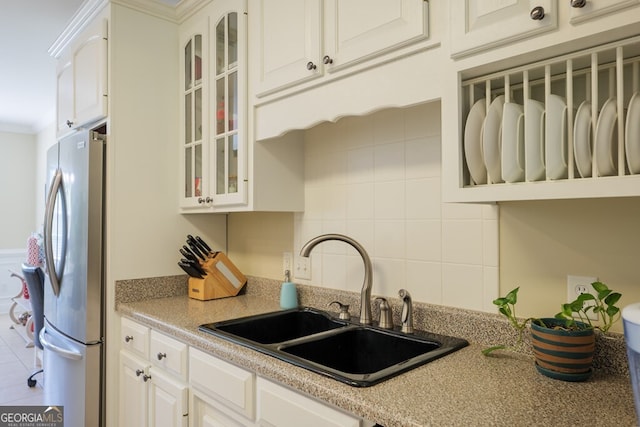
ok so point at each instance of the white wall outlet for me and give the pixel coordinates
(577, 285)
(287, 262)
(302, 267)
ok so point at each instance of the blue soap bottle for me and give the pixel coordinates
(288, 293)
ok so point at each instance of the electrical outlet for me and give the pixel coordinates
(287, 262)
(577, 285)
(302, 267)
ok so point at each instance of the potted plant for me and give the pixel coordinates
(563, 346)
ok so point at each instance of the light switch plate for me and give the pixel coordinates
(302, 267)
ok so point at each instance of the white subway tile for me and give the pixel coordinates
(462, 286)
(423, 199)
(389, 162)
(424, 240)
(424, 281)
(389, 200)
(462, 241)
(390, 239)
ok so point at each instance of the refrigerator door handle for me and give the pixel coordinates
(54, 190)
(69, 354)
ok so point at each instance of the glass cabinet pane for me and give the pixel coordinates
(197, 59)
(198, 114)
(188, 183)
(187, 66)
(232, 96)
(220, 46)
(221, 112)
(188, 135)
(198, 171)
(220, 167)
(233, 165)
(233, 39)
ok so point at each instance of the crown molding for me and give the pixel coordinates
(88, 10)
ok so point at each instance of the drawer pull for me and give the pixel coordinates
(327, 60)
(139, 372)
(537, 13)
(146, 378)
(578, 3)
(311, 66)
(161, 356)
(128, 338)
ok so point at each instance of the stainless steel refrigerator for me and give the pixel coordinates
(74, 328)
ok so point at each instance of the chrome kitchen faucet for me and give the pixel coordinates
(365, 294)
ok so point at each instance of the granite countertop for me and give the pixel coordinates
(462, 389)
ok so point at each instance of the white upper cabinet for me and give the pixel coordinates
(478, 25)
(301, 40)
(82, 78)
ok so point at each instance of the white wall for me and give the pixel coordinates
(17, 183)
(377, 179)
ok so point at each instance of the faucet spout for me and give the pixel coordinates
(365, 294)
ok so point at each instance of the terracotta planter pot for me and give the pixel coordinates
(562, 354)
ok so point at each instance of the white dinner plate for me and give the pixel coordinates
(512, 142)
(491, 139)
(632, 134)
(582, 139)
(606, 143)
(534, 120)
(473, 142)
(556, 137)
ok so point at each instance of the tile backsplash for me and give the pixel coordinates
(376, 178)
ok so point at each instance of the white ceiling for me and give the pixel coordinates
(27, 73)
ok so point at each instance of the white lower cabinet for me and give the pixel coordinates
(149, 396)
(283, 407)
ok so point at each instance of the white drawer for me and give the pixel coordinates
(282, 407)
(222, 381)
(169, 354)
(134, 337)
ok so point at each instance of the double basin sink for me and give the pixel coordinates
(358, 355)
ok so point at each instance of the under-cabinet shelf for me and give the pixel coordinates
(553, 129)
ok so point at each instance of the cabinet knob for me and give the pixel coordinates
(327, 60)
(537, 13)
(311, 66)
(139, 372)
(208, 199)
(161, 356)
(69, 123)
(128, 338)
(146, 378)
(578, 3)
(200, 200)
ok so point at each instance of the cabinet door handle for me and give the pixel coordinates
(311, 66)
(208, 200)
(537, 13)
(327, 60)
(161, 356)
(200, 200)
(578, 3)
(128, 338)
(69, 123)
(146, 378)
(139, 372)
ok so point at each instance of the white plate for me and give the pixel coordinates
(632, 134)
(473, 142)
(534, 119)
(556, 137)
(582, 139)
(606, 151)
(512, 142)
(491, 139)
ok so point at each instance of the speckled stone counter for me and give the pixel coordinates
(462, 389)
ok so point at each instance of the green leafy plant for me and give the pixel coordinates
(604, 305)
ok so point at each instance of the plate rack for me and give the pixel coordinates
(595, 76)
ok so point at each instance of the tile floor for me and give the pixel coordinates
(16, 364)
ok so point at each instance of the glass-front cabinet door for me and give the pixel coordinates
(194, 150)
(228, 124)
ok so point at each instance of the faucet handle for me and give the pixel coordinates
(344, 310)
(407, 311)
(386, 315)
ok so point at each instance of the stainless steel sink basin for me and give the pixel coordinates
(346, 351)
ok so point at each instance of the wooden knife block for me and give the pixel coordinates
(222, 280)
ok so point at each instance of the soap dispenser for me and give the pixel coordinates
(288, 293)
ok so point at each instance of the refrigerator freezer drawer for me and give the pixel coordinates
(72, 378)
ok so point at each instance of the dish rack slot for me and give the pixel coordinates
(572, 117)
